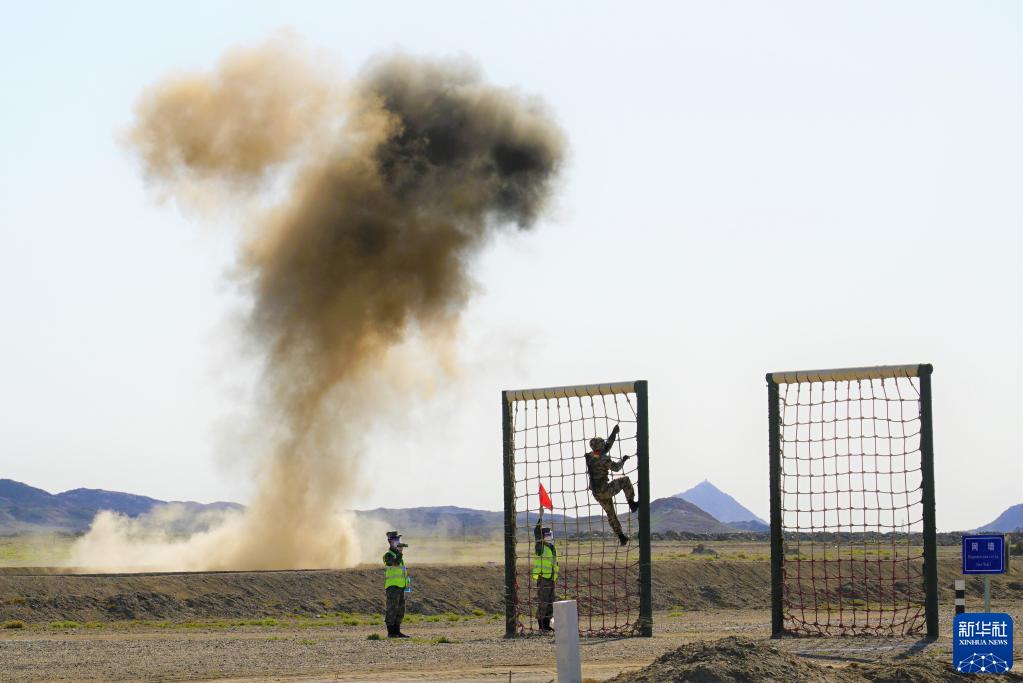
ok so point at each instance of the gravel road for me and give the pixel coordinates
(341, 653)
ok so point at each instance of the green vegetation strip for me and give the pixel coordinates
(333, 620)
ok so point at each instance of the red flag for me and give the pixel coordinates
(545, 500)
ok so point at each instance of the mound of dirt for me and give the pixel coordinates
(732, 659)
(738, 659)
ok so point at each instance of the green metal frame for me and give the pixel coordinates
(510, 595)
(639, 387)
(923, 372)
(646, 613)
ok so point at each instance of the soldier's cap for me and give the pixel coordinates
(392, 535)
(596, 443)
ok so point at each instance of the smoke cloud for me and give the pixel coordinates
(382, 189)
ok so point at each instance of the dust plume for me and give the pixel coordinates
(382, 189)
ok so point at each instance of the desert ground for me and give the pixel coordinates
(321, 625)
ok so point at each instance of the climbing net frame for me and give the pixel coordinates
(546, 435)
(853, 548)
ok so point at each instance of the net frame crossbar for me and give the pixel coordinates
(781, 614)
(643, 626)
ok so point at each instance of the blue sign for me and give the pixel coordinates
(984, 554)
(982, 643)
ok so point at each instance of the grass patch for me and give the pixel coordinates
(442, 640)
(14, 623)
(373, 636)
(477, 612)
(35, 550)
(64, 624)
(451, 616)
(306, 641)
(93, 624)
(433, 618)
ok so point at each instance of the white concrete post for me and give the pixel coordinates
(566, 642)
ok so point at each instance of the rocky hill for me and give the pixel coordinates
(723, 507)
(1009, 521)
(26, 509)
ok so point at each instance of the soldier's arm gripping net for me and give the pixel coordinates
(546, 441)
(852, 502)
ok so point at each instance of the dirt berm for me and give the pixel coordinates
(741, 659)
(34, 597)
(38, 596)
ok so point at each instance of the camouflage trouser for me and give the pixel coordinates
(605, 495)
(545, 598)
(395, 606)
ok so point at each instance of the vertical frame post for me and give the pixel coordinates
(927, 473)
(777, 543)
(511, 616)
(643, 457)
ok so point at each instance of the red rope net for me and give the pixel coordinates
(852, 512)
(550, 441)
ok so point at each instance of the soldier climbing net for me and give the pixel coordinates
(852, 502)
(546, 439)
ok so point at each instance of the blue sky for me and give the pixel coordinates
(764, 187)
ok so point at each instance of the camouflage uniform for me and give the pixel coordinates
(604, 491)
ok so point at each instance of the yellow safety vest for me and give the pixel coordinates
(395, 575)
(546, 564)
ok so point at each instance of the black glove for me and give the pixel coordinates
(615, 430)
(625, 457)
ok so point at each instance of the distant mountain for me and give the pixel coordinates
(98, 499)
(678, 514)
(722, 506)
(26, 509)
(1008, 521)
(446, 520)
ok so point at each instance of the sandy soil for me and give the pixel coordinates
(39, 596)
(140, 651)
(736, 658)
(338, 653)
(315, 625)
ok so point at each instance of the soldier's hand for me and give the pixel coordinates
(625, 458)
(615, 430)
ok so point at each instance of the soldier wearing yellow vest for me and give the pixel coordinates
(545, 573)
(396, 580)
